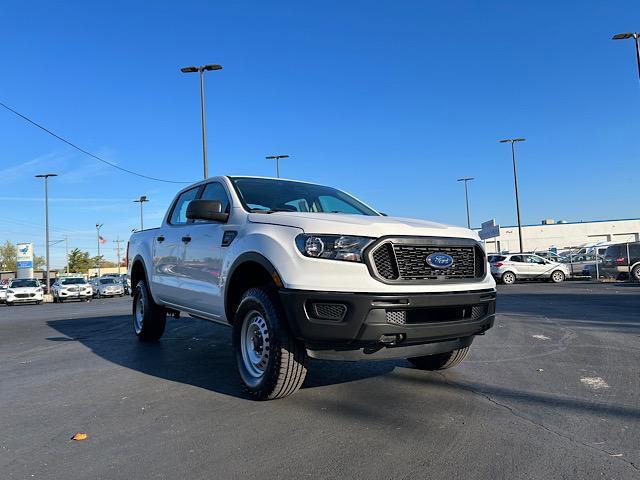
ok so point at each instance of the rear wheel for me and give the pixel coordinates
(440, 361)
(508, 278)
(149, 318)
(271, 361)
(635, 273)
(557, 276)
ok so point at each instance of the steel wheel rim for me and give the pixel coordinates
(557, 276)
(255, 344)
(509, 278)
(138, 317)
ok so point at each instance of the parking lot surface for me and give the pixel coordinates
(552, 391)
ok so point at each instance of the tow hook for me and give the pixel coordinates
(391, 339)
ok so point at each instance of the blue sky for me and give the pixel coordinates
(389, 100)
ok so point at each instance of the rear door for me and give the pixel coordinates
(518, 266)
(169, 250)
(201, 287)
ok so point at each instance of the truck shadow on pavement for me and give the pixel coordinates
(192, 352)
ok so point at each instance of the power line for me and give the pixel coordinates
(24, 117)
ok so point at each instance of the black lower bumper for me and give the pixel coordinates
(349, 326)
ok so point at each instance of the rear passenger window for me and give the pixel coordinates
(179, 213)
(517, 258)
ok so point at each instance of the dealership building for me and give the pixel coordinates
(564, 235)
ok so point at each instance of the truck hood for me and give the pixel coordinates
(360, 225)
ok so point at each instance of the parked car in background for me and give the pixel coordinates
(3, 292)
(27, 290)
(526, 266)
(582, 265)
(122, 279)
(71, 288)
(548, 255)
(108, 287)
(616, 262)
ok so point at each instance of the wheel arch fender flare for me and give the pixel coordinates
(243, 259)
(139, 260)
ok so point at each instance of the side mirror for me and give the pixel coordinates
(210, 210)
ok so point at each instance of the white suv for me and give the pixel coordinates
(300, 270)
(520, 266)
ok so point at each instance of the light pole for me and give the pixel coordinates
(98, 227)
(515, 181)
(46, 221)
(277, 159)
(466, 196)
(141, 200)
(202, 69)
(624, 36)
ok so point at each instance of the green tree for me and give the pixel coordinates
(8, 256)
(79, 261)
(39, 262)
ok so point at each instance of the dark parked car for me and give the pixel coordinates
(616, 263)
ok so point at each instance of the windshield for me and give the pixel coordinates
(269, 195)
(107, 281)
(23, 283)
(72, 281)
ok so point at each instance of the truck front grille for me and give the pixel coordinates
(405, 260)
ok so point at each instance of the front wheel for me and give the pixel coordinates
(557, 276)
(271, 361)
(440, 361)
(149, 318)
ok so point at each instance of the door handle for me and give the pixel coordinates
(160, 239)
(186, 239)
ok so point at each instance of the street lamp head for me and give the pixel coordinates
(512, 140)
(47, 175)
(466, 179)
(213, 66)
(275, 157)
(623, 36)
(189, 69)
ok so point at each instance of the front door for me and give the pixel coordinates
(202, 288)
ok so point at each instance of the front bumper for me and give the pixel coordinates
(75, 295)
(375, 326)
(37, 297)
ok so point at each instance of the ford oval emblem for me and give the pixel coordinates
(439, 260)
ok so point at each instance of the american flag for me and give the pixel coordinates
(101, 239)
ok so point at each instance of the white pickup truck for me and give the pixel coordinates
(300, 270)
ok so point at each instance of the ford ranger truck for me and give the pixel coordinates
(301, 271)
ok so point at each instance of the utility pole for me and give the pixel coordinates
(141, 200)
(66, 249)
(277, 159)
(635, 36)
(201, 70)
(46, 222)
(466, 196)
(98, 227)
(515, 181)
(117, 241)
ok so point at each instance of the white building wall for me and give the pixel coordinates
(565, 235)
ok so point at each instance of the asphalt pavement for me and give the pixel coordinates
(552, 391)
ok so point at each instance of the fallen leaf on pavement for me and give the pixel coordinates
(80, 436)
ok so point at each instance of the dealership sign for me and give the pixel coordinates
(489, 230)
(25, 260)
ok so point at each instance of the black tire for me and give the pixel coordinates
(9, 304)
(557, 276)
(149, 318)
(440, 361)
(271, 361)
(635, 273)
(508, 278)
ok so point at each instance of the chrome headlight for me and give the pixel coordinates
(333, 247)
(10, 291)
